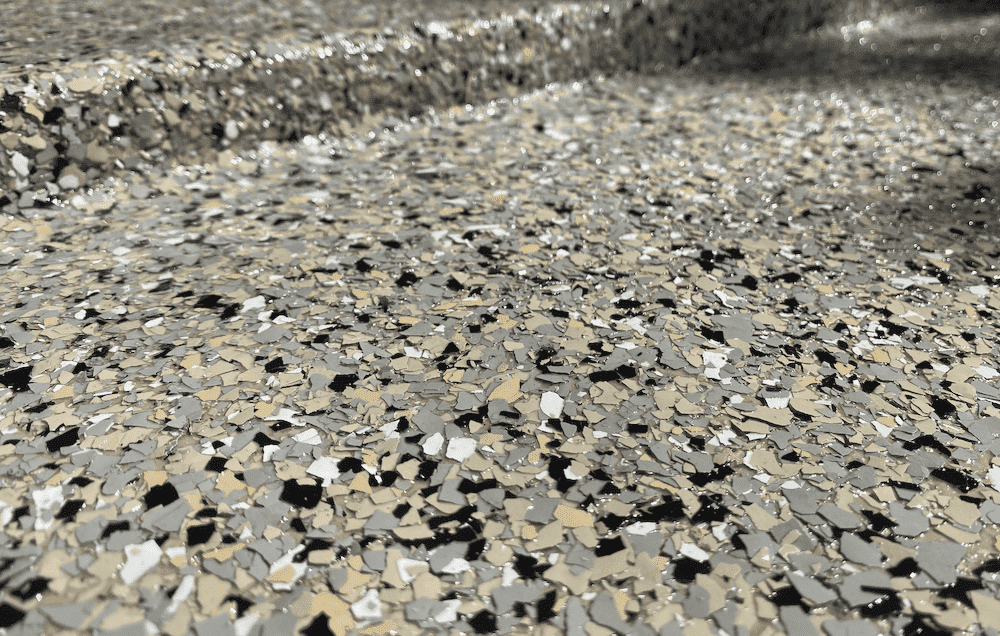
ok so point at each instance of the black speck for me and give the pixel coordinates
(210, 301)
(608, 546)
(826, 356)
(785, 596)
(161, 495)
(341, 382)
(69, 509)
(685, 569)
(218, 463)
(526, 566)
(886, 605)
(196, 535)
(17, 380)
(301, 495)
(878, 521)
(545, 605)
(31, 588)
(991, 566)
(485, 622)
(959, 590)
(957, 478)
(64, 439)
(907, 567)
(927, 441)
(671, 509)
(275, 366)
(942, 407)
(113, 527)
(918, 627)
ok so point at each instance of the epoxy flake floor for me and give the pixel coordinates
(709, 354)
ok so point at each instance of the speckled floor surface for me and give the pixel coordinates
(713, 353)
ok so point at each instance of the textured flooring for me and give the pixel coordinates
(708, 353)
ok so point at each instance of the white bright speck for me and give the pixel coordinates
(508, 575)
(257, 302)
(45, 500)
(20, 163)
(139, 559)
(882, 429)
(692, 551)
(641, 528)
(460, 448)
(325, 468)
(776, 402)
(457, 566)
(243, 626)
(987, 372)
(404, 565)
(433, 444)
(180, 594)
(714, 359)
(310, 436)
(449, 614)
(369, 608)
(552, 404)
(723, 438)
(994, 474)
(286, 414)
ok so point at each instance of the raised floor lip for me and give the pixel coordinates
(68, 125)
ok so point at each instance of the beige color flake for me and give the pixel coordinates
(123, 616)
(412, 533)
(573, 517)
(360, 483)
(762, 559)
(605, 566)
(956, 535)
(284, 575)
(227, 482)
(115, 441)
(498, 554)
(339, 612)
(263, 409)
(84, 84)
(761, 518)
(223, 554)
(211, 591)
(960, 511)
(155, 477)
(355, 580)
(716, 590)
(426, 585)
(778, 417)
(209, 395)
(509, 390)
(648, 574)
(382, 628)
(561, 573)
(988, 609)
(586, 535)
